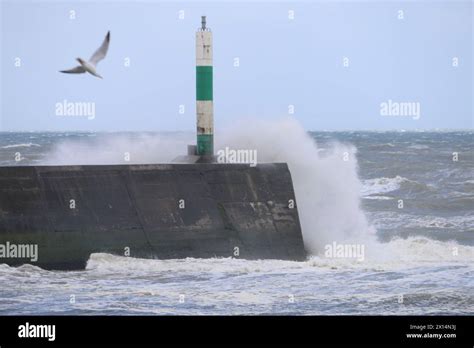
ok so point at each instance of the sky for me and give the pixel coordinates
(291, 59)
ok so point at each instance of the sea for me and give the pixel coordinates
(405, 198)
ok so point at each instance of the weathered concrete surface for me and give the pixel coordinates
(137, 207)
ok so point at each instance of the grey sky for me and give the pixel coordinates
(282, 62)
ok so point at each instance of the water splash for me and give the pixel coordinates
(326, 185)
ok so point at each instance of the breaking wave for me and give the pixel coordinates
(381, 185)
(396, 254)
(378, 186)
(20, 145)
(326, 184)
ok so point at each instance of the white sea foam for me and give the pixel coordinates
(20, 145)
(397, 254)
(379, 198)
(418, 147)
(381, 185)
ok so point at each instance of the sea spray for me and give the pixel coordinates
(327, 187)
(120, 148)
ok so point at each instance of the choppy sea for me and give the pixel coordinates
(414, 192)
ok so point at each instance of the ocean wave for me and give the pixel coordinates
(381, 185)
(399, 253)
(20, 145)
(418, 147)
(107, 263)
(453, 222)
(396, 220)
(423, 249)
(384, 185)
(403, 254)
(379, 198)
(382, 146)
(327, 210)
(433, 272)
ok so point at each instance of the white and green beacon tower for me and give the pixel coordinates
(204, 104)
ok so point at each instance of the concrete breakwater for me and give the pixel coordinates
(162, 211)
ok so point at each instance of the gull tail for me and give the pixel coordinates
(77, 70)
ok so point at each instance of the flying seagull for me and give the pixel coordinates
(89, 66)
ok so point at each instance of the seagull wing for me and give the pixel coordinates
(77, 70)
(101, 51)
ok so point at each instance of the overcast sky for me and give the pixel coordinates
(283, 62)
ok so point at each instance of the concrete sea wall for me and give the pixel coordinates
(151, 211)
